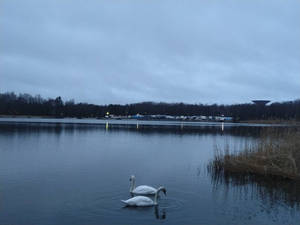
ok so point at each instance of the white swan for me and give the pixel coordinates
(142, 189)
(143, 201)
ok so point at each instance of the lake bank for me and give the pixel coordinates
(275, 154)
(271, 121)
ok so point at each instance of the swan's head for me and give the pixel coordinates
(132, 178)
(163, 189)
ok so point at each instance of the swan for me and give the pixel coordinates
(143, 201)
(142, 189)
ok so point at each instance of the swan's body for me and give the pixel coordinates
(139, 201)
(142, 189)
(142, 201)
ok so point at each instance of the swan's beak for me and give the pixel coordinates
(165, 192)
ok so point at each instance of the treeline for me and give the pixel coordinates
(26, 104)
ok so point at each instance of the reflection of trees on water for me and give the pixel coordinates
(58, 128)
(269, 190)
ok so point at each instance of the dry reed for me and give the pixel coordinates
(276, 153)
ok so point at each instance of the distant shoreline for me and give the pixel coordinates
(287, 122)
(269, 122)
(132, 122)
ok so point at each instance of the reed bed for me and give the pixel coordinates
(276, 153)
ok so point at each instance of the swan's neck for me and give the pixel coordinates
(132, 185)
(156, 196)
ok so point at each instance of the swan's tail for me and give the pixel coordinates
(124, 202)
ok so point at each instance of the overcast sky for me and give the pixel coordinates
(125, 51)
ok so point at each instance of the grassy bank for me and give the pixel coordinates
(276, 153)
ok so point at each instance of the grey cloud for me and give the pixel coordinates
(129, 51)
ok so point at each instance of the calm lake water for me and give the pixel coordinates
(61, 172)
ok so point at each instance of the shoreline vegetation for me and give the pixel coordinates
(275, 154)
(36, 106)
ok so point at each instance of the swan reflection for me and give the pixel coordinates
(160, 215)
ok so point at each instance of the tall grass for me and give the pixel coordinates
(276, 153)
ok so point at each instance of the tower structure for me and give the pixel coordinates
(260, 102)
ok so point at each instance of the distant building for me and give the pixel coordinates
(137, 116)
(223, 118)
(228, 118)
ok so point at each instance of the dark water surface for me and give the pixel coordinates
(56, 173)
